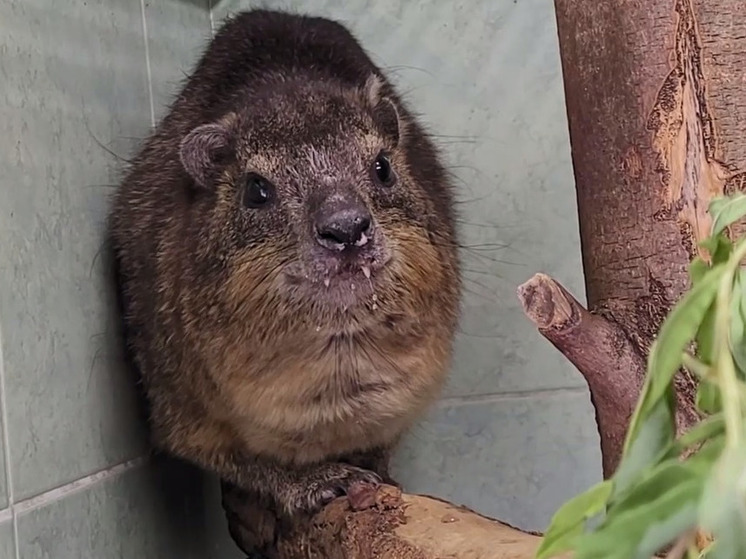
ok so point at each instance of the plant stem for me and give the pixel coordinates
(725, 368)
(696, 366)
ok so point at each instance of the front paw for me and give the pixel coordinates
(323, 484)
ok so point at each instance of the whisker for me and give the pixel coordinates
(106, 149)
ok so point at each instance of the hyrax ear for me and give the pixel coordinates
(204, 148)
(385, 112)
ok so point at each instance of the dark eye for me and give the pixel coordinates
(257, 192)
(382, 171)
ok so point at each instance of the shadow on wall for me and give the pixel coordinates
(182, 489)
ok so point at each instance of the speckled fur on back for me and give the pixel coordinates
(257, 365)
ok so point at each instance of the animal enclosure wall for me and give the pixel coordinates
(514, 434)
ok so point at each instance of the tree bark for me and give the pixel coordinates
(656, 104)
(656, 107)
(386, 524)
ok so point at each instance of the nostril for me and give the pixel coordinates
(343, 229)
(362, 225)
(330, 234)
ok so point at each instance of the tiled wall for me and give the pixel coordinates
(515, 433)
(513, 436)
(80, 79)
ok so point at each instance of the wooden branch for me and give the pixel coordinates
(383, 523)
(601, 351)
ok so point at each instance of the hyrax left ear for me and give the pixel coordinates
(385, 113)
(204, 148)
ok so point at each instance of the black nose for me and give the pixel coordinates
(342, 225)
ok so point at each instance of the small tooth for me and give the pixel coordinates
(366, 272)
(326, 282)
(362, 240)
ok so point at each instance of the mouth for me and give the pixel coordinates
(342, 280)
(350, 286)
(349, 282)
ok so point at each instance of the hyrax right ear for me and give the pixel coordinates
(203, 148)
(385, 111)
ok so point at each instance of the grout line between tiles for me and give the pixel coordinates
(147, 62)
(510, 396)
(58, 493)
(6, 450)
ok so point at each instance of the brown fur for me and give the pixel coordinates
(252, 367)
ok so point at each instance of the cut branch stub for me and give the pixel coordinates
(610, 363)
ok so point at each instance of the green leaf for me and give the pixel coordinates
(708, 455)
(722, 510)
(719, 247)
(709, 400)
(679, 328)
(726, 210)
(569, 520)
(677, 331)
(655, 437)
(716, 205)
(738, 323)
(640, 532)
(658, 480)
(741, 294)
(697, 269)
(705, 337)
(665, 474)
(709, 428)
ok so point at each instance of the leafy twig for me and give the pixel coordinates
(669, 488)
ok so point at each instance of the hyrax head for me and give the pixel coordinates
(321, 200)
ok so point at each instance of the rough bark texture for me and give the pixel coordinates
(656, 103)
(385, 524)
(656, 108)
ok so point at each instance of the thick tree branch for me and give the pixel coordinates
(386, 524)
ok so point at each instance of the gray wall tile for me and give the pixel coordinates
(516, 459)
(178, 31)
(73, 75)
(7, 543)
(3, 474)
(486, 75)
(158, 512)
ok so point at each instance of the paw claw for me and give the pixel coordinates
(325, 484)
(328, 495)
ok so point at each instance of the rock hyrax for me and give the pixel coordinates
(287, 263)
